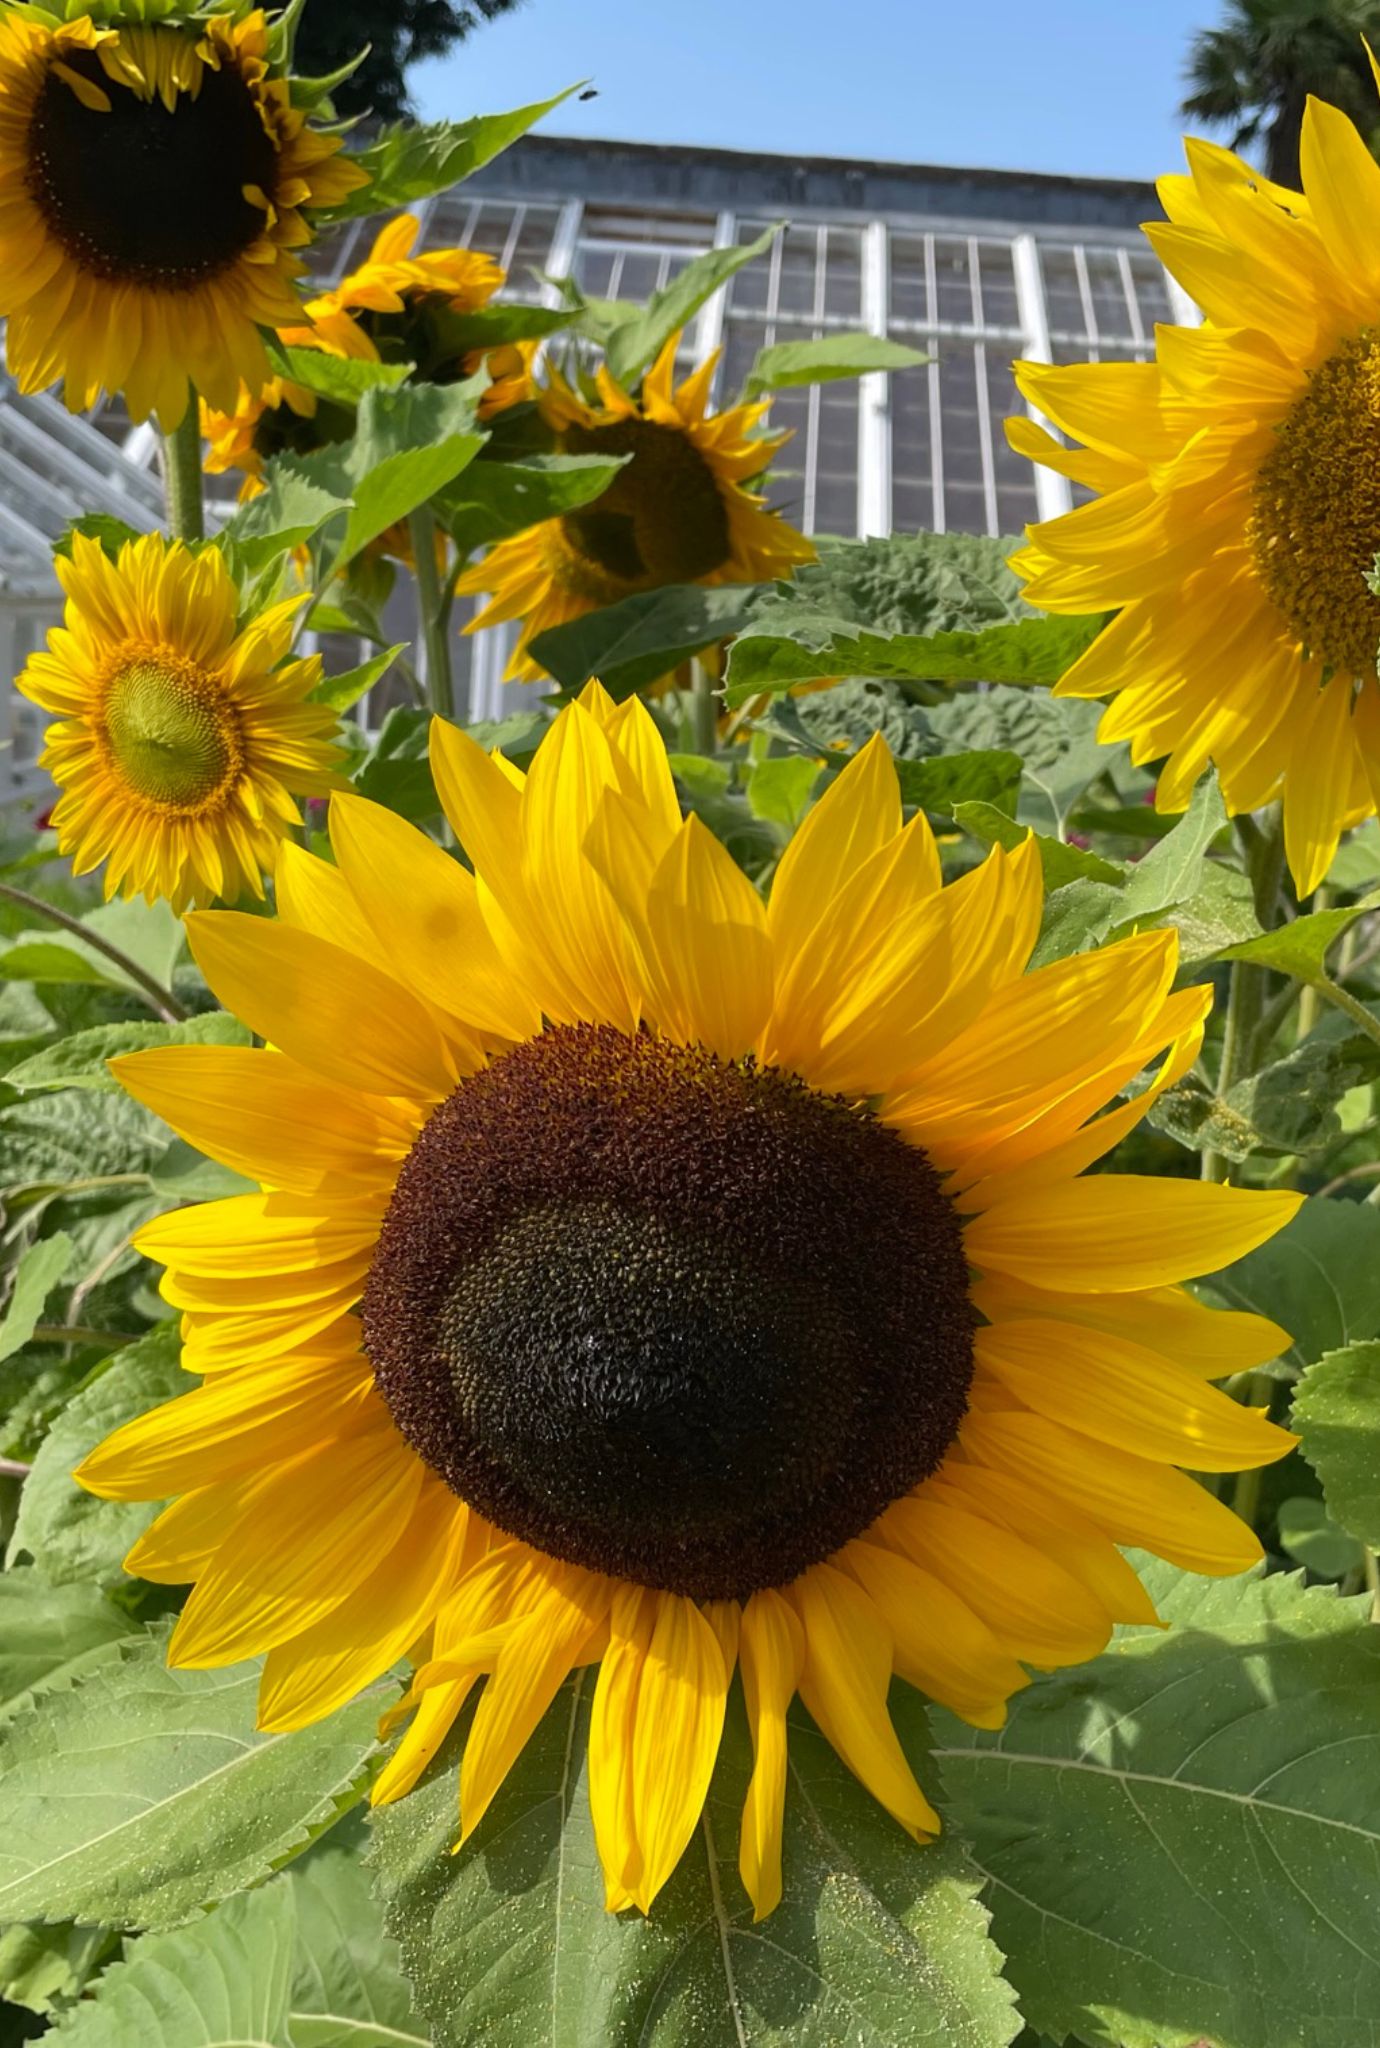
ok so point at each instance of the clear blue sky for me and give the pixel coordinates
(1087, 86)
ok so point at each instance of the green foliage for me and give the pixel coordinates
(140, 1794)
(1301, 948)
(1173, 1852)
(791, 363)
(408, 445)
(1319, 1279)
(409, 163)
(82, 1061)
(632, 345)
(509, 1941)
(1337, 1414)
(640, 639)
(1289, 1106)
(50, 1635)
(40, 1269)
(492, 500)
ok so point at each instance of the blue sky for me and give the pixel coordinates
(1087, 86)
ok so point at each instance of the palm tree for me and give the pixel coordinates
(1255, 72)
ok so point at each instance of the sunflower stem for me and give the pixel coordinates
(706, 710)
(161, 1000)
(1263, 847)
(1245, 1496)
(433, 613)
(1342, 998)
(182, 476)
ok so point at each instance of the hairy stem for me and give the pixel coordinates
(182, 477)
(160, 1000)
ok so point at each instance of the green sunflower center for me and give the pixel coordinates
(146, 195)
(677, 1320)
(663, 518)
(173, 740)
(1315, 530)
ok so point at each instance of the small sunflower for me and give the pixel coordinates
(650, 1280)
(156, 184)
(180, 739)
(1238, 507)
(680, 511)
(391, 309)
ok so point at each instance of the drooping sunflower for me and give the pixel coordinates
(1238, 506)
(651, 1280)
(680, 511)
(394, 308)
(155, 189)
(181, 736)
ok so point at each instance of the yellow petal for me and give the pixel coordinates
(941, 1645)
(854, 819)
(771, 1651)
(707, 932)
(847, 1674)
(1123, 1231)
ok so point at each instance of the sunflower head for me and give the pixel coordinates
(1236, 516)
(682, 509)
(159, 185)
(180, 737)
(653, 1279)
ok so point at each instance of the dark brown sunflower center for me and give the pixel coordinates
(1315, 530)
(662, 520)
(683, 1322)
(172, 739)
(143, 194)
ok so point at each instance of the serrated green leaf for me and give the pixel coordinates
(410, 162)
(347, 1988)
(50, 1634)
(877, 1942)
(639, 640)
(1319, 1278)
(492, 500)
(112, 533)
(289, 511)
(75, 1137)
(41, 1267)
(82, 1060)
(1060, 862)
(342, 379)
(779, 790)
(344, 691)
(1056, 738)
(1175, 1849)
(221, 1983)
(1027, 651)
(633, 345)
(790, 363)
(71, 1536)
(1311, 1537)
(986, 780)
(1289, 1107)
(1221, 913)
(143, 1794)
(408, 445)
(45, 1968)
(1171, 873)
(1337, 1414)
(1301, 948)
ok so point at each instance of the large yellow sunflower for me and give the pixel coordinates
(679, 512)
(648, 1279)
(180, 738)
(384, 311)
(155, 183)
(1238, 507)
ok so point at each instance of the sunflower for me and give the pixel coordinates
(392, 309)
(157, 182)
(1237, 513)
(680, 511)
(649, 1280)
(179, 736)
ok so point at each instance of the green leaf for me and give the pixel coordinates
(45, 1968)
(987, 779)
(71, 1536)
(1311, 1537)
(112, 533)
(40, 1269)
(1220, 913)
(1289, 1107)
(347, 1988)
(1357, 863)
(1177, 1849)
(1056, 738)
(50, 1634)
(82, 1060)
(1171, 873)
(344, 691)
(1337, 1414)
(410, 162)
(143, 1794)
(820, 362)
(56, 958)
(1301, 948)
(492, 500)
(53, 1141)
(396, 772)
(150, 934)
(221, 1983)
(342, 379)
(290, 510)
(779, 789)
(185, 1175)
(1319, 1278)
(636, 343)
(640, 639)
(1060, 862)
(1026, 651)
(409, 444)
(875, 1942)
